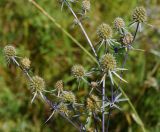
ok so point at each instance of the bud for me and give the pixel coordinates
(37, 83)
(104, 31)
(139, 14)
(59, 85)
(78, 71)
(26, 63)
(108, 62)
(86, 5)
(119, 23)
(68, 97)
(93, 103)
(94, 84)
(127, 39)
(9, 51)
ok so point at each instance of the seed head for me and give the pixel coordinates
(68, 97)
(93, 103)
(63, 108)
(78, 71)
(108, 62)
(119, 23)
(139, 14)
(9, 51)
(26, 63)
(127, 39)
(104, 31)
(59, 85)
(37, 83)
(86, 5)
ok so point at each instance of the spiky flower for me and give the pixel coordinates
(93, 103)
(69, 97)
(104, 31)
(127, 39)
(78, 71)
(108, 62)
(139, 14)
(119, 23)
(25, 62)
(59, 86)
(86, 5)
(62, 107)
(9, 51)
(37, 84)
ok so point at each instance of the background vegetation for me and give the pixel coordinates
(53, 54)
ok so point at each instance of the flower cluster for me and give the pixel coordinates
(65, 102)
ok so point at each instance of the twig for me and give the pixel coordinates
(108, 121)
(103, 103)
(47, 100)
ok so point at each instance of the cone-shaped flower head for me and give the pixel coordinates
(104, 31)
(127, 39)
(93, 103)
(139, 14)
(25, 62)
(86, 5)
(37, 83)
(78, 71)
(119, 23)
(9, 51)
(68, 96)
(62, 107)
(108, 62)
(59, 85)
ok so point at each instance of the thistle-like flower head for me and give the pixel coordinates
(127, 39)
(25, 62)
(69, 97)
(59, 85)
(9, 51)
(119, 23)
(93, 103)
(139, 14)
(78, 71)
(62, 107)
(86, 5)
(37, 83)
(104, 31)
(108, 62)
